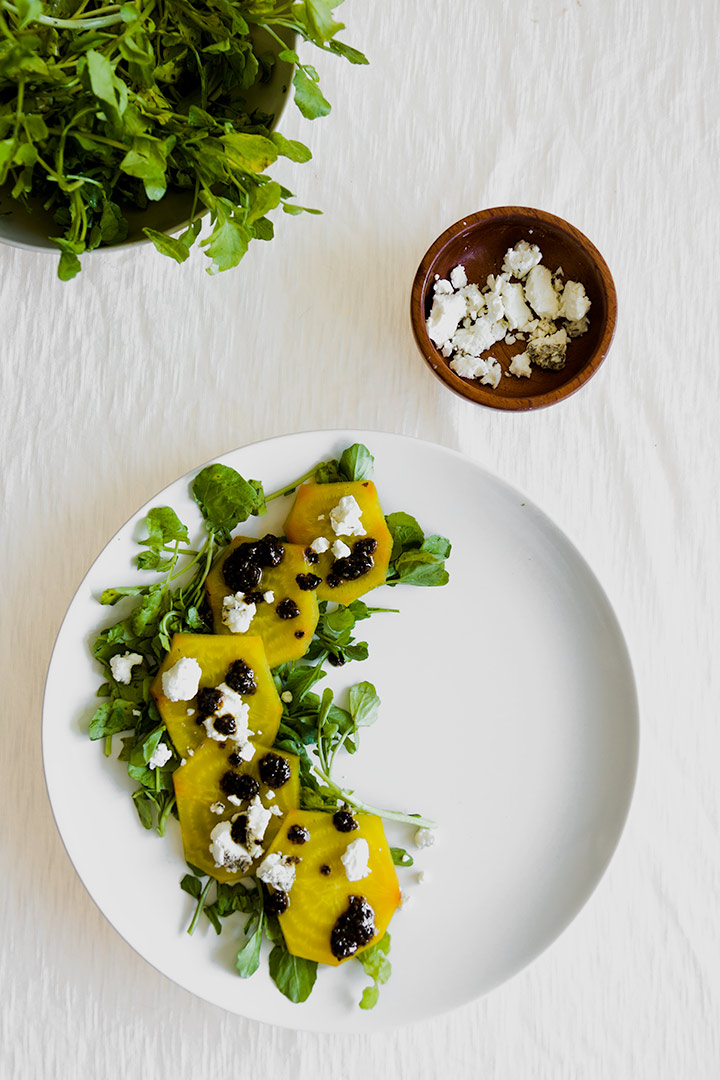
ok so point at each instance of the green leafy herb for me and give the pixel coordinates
(401, 857)
(416, 559)
(108, 108)
(375, 963)
(293, 976)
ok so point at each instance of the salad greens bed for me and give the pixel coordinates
(106, 107)
(312, 726)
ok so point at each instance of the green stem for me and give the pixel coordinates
(288, 490)
(200, 905)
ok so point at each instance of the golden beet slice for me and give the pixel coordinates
(199, 786)
(321, 892)
(310, 519)
(284, 638)
(215, 653)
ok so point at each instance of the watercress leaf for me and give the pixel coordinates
(328, 473)
(143, 805)
(148, 610)
(265, 197)
(347, 52)
(191, 885)
(165, 527)
(401, 857)
(248, 958)
(289, 56)
(357, 463)
(364, 704)
(249, 153)
(225, 498)
(375, 963)
(147, 160)
(293, 975)
(291, 148)
(321, 24)
(112, 596)
(370, 997)
(308, 97)
(227, 244)
(168, 245)
(68, 266)
(107, 88)
(438, 546)
(421, 568)
(405, 532)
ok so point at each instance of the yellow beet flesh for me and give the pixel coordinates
(197, 788)
(310, 518)
(215, 653)
(284, 639)
(317, 900)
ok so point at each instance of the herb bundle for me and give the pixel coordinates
(313, 726)
(108, 108)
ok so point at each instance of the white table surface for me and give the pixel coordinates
(604, 112)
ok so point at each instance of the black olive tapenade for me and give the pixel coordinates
(274, 770)
(287, 609)
(344, 821)
(277, 903)
(240, 677)
(240, 785)
(355, 927)
(225, 725)
(306, 582)
(238, 830)
(208, 701)
(298, 834)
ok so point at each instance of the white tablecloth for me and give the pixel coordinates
(603, 112)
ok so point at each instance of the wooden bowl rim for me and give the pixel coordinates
(477, 393)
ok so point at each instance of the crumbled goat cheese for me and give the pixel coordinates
(225, 851)
(405, 899)
(278, 871)
(356, 859)
(189, 712)
(574, 304)
(473, 367)
(236, 614)
(340, 550)
(421, 877)
(275, 810)
(160, 756)
(424, 838)
(520, 260)
(269, 596)
(217, 808)
(517, 313)
(540, 294)
(232, 704)
(181, 681)
(121, 666)
(445, 315)
(319, 545)
(257, 820)
(458, 277)
(466, 320)
(269, 794)
(520, 365)
(345, 518)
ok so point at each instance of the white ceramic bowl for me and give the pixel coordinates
(32, 230)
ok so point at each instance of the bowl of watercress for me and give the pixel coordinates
(124, 123)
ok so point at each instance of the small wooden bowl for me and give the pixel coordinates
(479, 242)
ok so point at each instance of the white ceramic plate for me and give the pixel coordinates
(509, 714)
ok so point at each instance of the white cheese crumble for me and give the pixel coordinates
(319, 545)
(520, 260)
(340, 550)
(160, 756)
(540, 293)
(525, 302)
(424, 838)
(236, 614)
(345, 518)
(269, 596)
(217, 808)
(232, 704)
(225, 851)
(355, 860)
(181, 681)
(278, 871)
(257, 819)
(121, 666)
